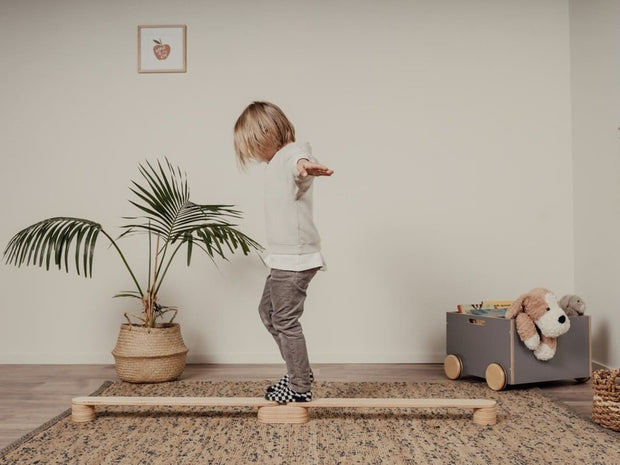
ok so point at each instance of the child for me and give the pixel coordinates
(263, 133)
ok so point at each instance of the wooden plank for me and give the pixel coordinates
(176, 401)
(83, 408)
(260, 402)
(401, 403)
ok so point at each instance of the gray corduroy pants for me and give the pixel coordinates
(280, 308)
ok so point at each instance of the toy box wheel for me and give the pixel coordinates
(582, 380)
(496, 377)
(452, 366)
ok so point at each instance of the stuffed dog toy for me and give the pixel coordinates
(538, 312)
(573, 305)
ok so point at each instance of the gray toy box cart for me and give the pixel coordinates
(490, 348)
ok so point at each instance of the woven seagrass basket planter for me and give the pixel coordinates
(150, 355)
(606, 400)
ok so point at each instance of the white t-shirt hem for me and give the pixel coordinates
(299, 262)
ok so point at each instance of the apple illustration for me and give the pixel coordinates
(161, 50)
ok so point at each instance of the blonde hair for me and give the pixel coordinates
(261, 127)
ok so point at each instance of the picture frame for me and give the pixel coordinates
(162, 48)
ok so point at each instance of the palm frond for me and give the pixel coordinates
(168, 212)
(50, 241)
(134, 294)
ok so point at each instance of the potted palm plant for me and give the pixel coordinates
(147, 350)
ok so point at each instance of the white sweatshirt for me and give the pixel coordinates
(292, 238)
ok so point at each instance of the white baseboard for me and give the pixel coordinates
(317, 358)
(56, 358)
(599, 366)
(106, 358)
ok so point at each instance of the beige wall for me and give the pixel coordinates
(447, 123)
(595, 71)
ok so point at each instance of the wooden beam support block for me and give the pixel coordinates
(283, 414)
(485, 410)
(81, 413)
(485, 416)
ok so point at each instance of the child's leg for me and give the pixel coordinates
(288, 294)
(265, 310)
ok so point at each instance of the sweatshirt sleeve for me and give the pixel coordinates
(295, 153)
(302, 183)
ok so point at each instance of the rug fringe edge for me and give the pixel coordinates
(48, 424)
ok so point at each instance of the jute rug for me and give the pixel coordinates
(531, 429)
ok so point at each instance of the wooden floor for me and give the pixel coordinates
(32, 394)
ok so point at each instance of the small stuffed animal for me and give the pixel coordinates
(538, 311)
(573, 305)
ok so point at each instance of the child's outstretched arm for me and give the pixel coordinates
(306, 167)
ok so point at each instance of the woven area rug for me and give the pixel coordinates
(531, 429)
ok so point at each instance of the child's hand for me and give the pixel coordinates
(306, 167)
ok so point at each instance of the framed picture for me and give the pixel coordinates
(162, 49)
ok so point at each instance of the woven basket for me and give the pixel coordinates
(606, 402)
(150, 355)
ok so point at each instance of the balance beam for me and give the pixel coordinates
(485, 410)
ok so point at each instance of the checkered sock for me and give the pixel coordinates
(286, 395)
(284, 383)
